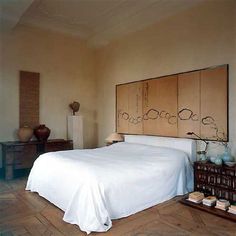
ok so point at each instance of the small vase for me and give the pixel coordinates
(42, 133)
(202, 156)
(226, 156)
(25, 133)
(218, 161)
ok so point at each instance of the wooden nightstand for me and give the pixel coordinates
(18, 157)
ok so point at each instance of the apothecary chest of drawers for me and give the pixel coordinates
(216, 180)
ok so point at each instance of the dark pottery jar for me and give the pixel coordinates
(42, 133)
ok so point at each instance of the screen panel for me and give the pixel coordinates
(160, 106)
(166, 103)
(150, 111)
(214, 103)
(135, 108)
(122, 108)
(189, 116)
(174, 105)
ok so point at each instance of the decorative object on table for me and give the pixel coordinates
(25, 133)
(218, 161)
(42, 132)
(196, 197)
(114, 138)
(226, 156)
(209, 201)
(212, 159)
(74, 107)
(232, 209)
(230, 163)
(201, 154)
(222, 204)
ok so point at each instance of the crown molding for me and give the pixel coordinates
(11, 12)
(46, 23)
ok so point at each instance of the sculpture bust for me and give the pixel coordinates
(74, 107)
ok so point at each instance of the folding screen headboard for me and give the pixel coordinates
(173, 105)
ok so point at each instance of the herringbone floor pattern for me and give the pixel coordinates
(25, 213)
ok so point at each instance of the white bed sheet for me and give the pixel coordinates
(94, 186)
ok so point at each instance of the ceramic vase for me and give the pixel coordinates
(42, 133)
(25, 133)
(226, 156)
(218, 161)
(202, 156)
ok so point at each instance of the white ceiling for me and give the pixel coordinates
(98, 21)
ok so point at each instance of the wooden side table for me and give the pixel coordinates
(19, 156)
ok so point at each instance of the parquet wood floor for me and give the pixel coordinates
(26, 213)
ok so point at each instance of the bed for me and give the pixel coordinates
(95, 186)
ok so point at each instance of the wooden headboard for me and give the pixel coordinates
(195, 101)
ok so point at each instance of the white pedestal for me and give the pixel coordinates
(75, 131)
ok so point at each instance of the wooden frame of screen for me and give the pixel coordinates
(176, 74)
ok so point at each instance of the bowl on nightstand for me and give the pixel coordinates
(230, 163)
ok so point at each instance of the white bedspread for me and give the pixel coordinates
(94, 186)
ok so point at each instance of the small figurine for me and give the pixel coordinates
(74, 107)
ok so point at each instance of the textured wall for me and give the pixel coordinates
(200, 37)
(66, 72)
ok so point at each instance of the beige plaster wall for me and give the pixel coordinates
(67, 74)
(194, 39)
(201, 37)
(232, 100)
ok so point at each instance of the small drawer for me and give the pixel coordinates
(211, 179)
(226, 182)
(14, 148)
